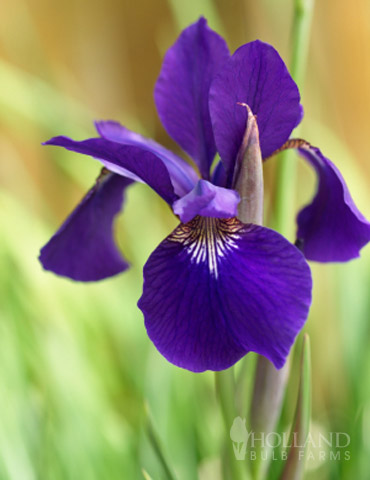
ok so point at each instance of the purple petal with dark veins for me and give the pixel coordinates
(207, 200)
(181, 92)
(122, 158)
(255, 75)
(182, 175)
(83, 248)
(217, 289)
(330, 228)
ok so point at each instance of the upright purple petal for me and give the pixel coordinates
(121, 159)
(255, 75)
(217, 289)
(219, 176)
(207, 200)
(83, 248)
(330, 228)
(181, 92)
(182, 175)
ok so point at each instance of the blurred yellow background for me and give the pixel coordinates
(76, 364)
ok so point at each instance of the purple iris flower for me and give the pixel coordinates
(215, 288)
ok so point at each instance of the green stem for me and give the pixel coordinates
(303, 10)
(268, 396)
(286, 174)
(225, 388)
(294, 466)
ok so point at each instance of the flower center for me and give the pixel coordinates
(208, 240)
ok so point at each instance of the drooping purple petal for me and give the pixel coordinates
(330, 228)
(181, 92)
(83, 248)
(122, 158)
(207, 200)
(217, 289)
(255, 75)
(182, 175)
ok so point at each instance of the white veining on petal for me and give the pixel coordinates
(208, 240)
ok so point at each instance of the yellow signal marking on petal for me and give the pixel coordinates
(291, 143)
(208, 239)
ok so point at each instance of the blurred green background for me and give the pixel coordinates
(76, 366)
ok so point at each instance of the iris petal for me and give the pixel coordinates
(330, 228)
(83, 248)
(182, 175)
(181, 92)
(255, 75)
(219, 176)
(207, 200)
(217, 289)
(122, 158)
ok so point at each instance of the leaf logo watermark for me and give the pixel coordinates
(239, 436)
